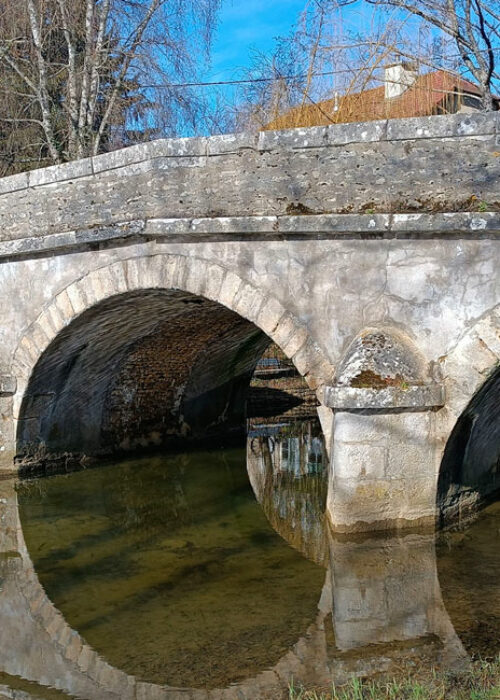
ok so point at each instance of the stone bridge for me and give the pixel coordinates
(140, 287)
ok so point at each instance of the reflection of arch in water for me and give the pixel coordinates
(37, 644)
(275, 471)
(378, 593)
(468, 564)
(385, 591)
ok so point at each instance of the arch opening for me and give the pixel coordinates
(140, 369)
(470, 469)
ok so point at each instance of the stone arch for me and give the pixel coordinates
(195, 276)
(472, 383)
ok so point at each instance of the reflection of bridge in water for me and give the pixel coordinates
(379, 596)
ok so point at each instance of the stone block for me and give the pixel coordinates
(183, 270)
(412, 397)
(59, 173)
(311, 363)
(21, 364)
(86, 658)
(229, 289)
(232, 143)
(310, 137)
(292, 346)
(74, 647)
(55, 625)
(351, 461)
(39, 337)
(8, 385)
(285, 329)
(77, 299)
(130, 156)
(106, 282)
(14, 183)
(196, 279)
(248, 302)
(64, 306)
(270, 316)
(365, 132)
(30, 349)
(45, 323)
(410, 461)
(362, 428)
(131, 274)
(187, 147)
(117, 272)
(436, 127)
(355, 505)
(214, 275)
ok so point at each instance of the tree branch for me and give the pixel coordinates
(42, 89)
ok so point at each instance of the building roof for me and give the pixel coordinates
(423, 98)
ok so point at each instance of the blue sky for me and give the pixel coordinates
(246, 25)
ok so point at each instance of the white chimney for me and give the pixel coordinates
(398, 78)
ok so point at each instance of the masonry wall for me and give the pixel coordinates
(394, 166)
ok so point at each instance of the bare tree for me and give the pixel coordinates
(78, 77)
(474, 27)
(340, 47)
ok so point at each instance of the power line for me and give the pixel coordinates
(298, 76)
(250, 81)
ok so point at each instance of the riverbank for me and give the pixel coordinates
(479, 682)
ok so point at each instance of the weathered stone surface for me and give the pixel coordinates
(337, 169)
(414, 397)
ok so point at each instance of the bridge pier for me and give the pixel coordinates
(385, 456)
(383, 471)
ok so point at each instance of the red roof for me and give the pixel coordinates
(431, 93)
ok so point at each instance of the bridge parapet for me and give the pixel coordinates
(272, 183)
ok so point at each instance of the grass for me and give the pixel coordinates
(480, 682)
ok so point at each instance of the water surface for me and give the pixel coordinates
(214, 570)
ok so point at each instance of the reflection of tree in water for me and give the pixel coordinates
(287, 467)
(144, 497)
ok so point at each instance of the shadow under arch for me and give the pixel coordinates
(470, 470)
(229, 305)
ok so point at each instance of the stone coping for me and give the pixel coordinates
(419, 398)
(309, 226)
(452, 126)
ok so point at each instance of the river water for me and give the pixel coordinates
(212, 571)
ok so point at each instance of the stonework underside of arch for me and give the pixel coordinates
(143, 369)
